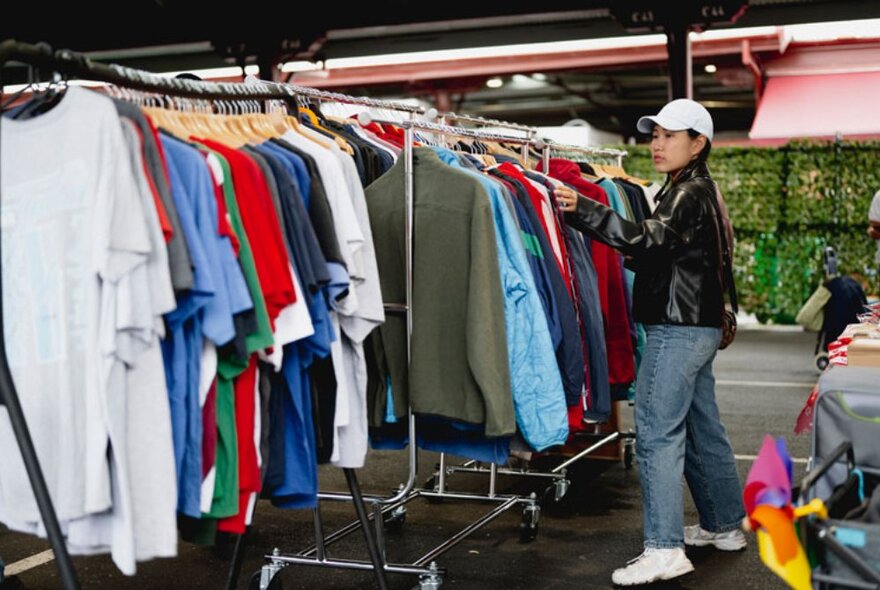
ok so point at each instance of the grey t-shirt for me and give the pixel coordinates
(179, 260)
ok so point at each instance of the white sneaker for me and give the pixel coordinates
(653, 565)
(697, 536)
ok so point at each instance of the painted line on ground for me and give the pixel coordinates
(753, 457)
(765, 383)
(28, 563)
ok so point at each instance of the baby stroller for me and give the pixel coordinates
(834, 305)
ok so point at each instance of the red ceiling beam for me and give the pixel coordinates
(485, 67)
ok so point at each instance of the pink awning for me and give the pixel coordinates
(818, 106)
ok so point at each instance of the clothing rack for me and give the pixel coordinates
(384, 508)
(530, 132)
(484, 122)
(391, 510)
(559, 483)
(76, 65)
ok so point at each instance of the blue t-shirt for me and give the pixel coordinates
(206, 312)
(183, 341)
(231, 292)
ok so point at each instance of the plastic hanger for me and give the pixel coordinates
(317, 123)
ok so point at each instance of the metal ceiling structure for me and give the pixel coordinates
(174, 35)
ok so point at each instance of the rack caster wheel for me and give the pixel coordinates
(431, 581)
(628, 455)
(274, 584)
(528, 529)
(821, 361)
(555, 493)
(395, 520)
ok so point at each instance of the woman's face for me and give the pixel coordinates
(673, 150)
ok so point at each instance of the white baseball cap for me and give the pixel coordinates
(678, 115)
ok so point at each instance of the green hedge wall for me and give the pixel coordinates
(787, 204)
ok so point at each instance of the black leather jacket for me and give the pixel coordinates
(674, 253)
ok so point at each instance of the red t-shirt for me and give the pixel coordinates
(262, 227)
(621, 357)
(248, 464)
(552, 230)
(390, 134)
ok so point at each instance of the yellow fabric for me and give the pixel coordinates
(779, 547)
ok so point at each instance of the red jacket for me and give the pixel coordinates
(551, 231)
(621, 358)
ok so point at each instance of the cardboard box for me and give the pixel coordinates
(864, 351)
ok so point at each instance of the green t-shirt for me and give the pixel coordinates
(226, 492)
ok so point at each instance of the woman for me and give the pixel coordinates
(678, 296)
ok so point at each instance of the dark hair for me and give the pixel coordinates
(704, 154)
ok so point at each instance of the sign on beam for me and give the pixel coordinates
(648, 15)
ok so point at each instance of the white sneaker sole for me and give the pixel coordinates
(723, 545)
(682, 569)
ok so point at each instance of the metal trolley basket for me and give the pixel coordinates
(844, 549)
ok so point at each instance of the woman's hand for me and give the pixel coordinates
(566, 199)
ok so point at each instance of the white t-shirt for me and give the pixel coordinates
(86, 281)
(141, 524)
(352, 438)
(350, 241)
(69, 224)
(651, 191)
(348, 233)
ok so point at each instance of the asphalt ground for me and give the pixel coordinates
(763, 381)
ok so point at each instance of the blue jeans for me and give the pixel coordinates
(679, 431)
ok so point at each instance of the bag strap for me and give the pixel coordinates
(726, 258)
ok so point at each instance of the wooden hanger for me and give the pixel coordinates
(215, 126)
(166, 119)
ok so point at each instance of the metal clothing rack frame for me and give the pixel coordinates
(589, 151)
(559, 483)
(393, 507)
(392, 511)
(74, 64)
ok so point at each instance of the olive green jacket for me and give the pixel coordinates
(459, 364)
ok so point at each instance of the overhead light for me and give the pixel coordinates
(494, 82)
(520, 82)
(711, 69)
(301, 66)
(540, 77)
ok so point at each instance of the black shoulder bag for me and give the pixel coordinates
(728, 316)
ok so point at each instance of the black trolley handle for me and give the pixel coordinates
(810, 480)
